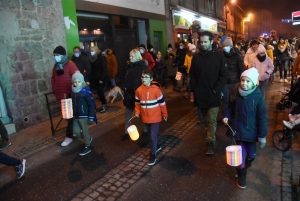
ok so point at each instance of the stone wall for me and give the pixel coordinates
(30, 30)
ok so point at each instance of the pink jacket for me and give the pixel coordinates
(265, 68)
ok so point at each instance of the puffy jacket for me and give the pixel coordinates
(208, 76)
(188, 59)
(270, 52)
(150, 103)
(160, 66)
(112, 65)
(132, 81)
(61, 84)
(84, 65)
(247, 117)
(83, 105)
(235, 66)
(99, 69)
(172, 69)
(250, 55)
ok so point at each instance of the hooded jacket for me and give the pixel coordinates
(250, 55)
(150, 103)
(247, 116)
(83, 105)
(208, 76)
(172, 69)
(188, 59)
(265, 68)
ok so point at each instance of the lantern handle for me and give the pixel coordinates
(233, 132)
(131, 118)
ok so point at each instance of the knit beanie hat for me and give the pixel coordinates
(191, 46)
(228, 42)
(169, 45)
(143, 46)
(59, 50)
(252, 74)
(77, 75)
(261, 48)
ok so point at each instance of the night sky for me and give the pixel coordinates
(282, 8)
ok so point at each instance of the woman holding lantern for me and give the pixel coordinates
(246, 116)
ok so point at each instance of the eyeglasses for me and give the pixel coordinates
(144, 77)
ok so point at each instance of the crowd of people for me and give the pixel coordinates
(234, 75)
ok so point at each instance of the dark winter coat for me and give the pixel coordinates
(208, 76)
(83, 105)
(235, 66)
(160, 66)
(99, 69)
(179, 60)
(172, 69)
(84, 65)
(132, 82)
(247, 116)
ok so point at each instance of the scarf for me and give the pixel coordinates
(60, 65)
(78, 89)
(281, 46)
(95, 56)
(246, 93)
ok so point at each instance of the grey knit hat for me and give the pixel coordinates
(77, 75)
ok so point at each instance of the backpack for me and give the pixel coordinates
(95, 105)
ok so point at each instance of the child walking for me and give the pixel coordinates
(150, 104)
(83, 110)
(246, 114)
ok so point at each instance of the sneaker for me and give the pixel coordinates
(199, 121)
(66, 142)
(5, 144)
(281, 80)
(145, 133)
(210, 148)
(240, 185)
(158, 149)
(288, 124)
(292, 117)
(103, 109)
(85, 151)
(20, 169)
(152, 160)
(285, 80)
(186, 96)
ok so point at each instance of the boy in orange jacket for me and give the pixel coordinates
(150, 103)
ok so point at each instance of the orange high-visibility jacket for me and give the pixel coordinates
(150, 103)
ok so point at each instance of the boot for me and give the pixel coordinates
(103, 109)
(249, 162)
(5, 144)
(241, 181)
(210, 148)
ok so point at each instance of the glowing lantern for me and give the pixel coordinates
(67, 108)
(133, 132)
(234, 155)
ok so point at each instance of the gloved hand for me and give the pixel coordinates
(90, 121)
(166, 118)
(262, 142)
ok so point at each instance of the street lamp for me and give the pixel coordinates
(226, 10)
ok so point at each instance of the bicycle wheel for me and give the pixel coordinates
(280, 140)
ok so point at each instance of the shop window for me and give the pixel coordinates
(123, 22)
(94, 30)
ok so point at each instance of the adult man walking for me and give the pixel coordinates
(82, 62)
(208, 76)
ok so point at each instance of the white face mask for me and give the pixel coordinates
(76, 54)
(151, 50)
(181, 47)
(226, 49)
(170, 49)
(274, 42)
(193, 51)
(92, 53)
(57, 58)
(142, 51)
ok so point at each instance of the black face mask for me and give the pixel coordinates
(261, 58)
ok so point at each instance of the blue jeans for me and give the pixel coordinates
(199, 113)
(283, 65)
(8, 160)
(248, 151)
(153, 129)
(262, 86)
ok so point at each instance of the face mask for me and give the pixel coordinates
(170, 49)
(57, 58)
(193, 51)
(181, 47)
(151, 50)
(142, 51)
(261, 58)
(93, 53)
(274, 42)
(226, 49)
(76, 54)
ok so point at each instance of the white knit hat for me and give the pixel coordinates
(77, 75)
(191, 46)
(252, 74)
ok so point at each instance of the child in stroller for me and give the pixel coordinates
(290, 96)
